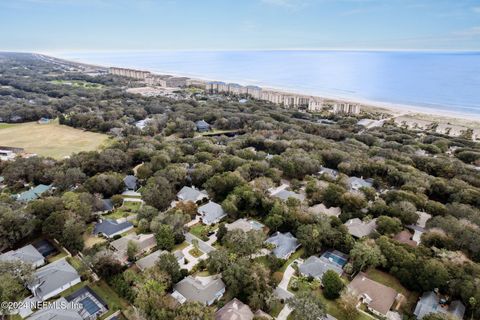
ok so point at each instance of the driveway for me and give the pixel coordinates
(202, 245)
(283, 315)
(282, 289)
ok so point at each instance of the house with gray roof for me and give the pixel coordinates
(205, 290)
(130, 182)
(191, 194)
(283, 193)
(143, 242)
(234, 310)
(245, 225)
(65, 311)
(320, 209)
(430, 302)
(52, 279)
(202, 126)
(328, 172)
(27, 254)
(104, 205)
(111, 228)
(211, 213)
(285, 244)
(316, 266)
(356, 183)
(34, 193)
(150, 260)
(359, 228)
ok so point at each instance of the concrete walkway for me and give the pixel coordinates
(192, 261)
(283, 315)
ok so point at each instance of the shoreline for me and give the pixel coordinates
(391, 108)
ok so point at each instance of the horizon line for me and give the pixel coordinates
(52, 52)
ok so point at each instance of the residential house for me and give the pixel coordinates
(316, 266)
(191, 194)
(130, 182)
(141, 124)
(104, 205)
(143, 242)
(211, 213)
(319, 209)
(64, 311)
(111, 228)
(405, 237)
(202, 126)
(83, 304)
(205, 290)
(359, 228)
(52, 279)
(378, 298)
(285, 244)
(328, 172)
(43, 120)
(27, 254)
(356, 183)
(245, 225)
(7, 155)
(283, 194)
(234, 310)
(34, 193)
(150, 260)
(420, 226)
(431, 302)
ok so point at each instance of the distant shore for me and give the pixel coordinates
(393, 109)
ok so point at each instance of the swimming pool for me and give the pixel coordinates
(341, 261)
(91, 307)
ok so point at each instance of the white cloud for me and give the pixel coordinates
(476, 9)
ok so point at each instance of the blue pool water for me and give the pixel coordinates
(335, 258)
(442, 81)
(90, 306)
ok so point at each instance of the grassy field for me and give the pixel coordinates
(50, 140)
(79, 83)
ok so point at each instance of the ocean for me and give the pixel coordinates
(436, 81)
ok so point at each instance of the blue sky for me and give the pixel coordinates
(91, 25)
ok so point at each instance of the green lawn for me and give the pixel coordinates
(294, 256)
(117, 214)
(392, 282)
(215, 132)
(331, 306)
(79, 83)
(50, 140)
(113, 301)
(133, 206)
(200, 231)
(196, 252)
(180, 246)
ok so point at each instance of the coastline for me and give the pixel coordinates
(416, 112)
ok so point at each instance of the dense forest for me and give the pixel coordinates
(412, 171)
